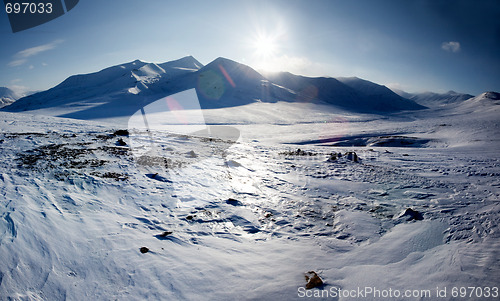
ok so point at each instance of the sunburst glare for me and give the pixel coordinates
(265, 46)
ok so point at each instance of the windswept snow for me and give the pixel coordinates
(247, 219)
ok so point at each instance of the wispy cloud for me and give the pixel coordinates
(22, 56)
(451, 46)
(15, 63)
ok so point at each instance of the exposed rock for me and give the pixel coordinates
(492, 95)
(233, 202)
(352, 156)
(144, 250)
(298, 152)
(157, 177)
(333, 157)
(313, 280)
(121, 133)
(120, 142)
(165, 234)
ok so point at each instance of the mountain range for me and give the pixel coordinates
(435, 99)
(123, 89)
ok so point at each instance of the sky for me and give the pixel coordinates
(413, 45)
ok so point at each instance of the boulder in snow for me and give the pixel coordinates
(121, 133)
(352, 156)
(120, 142)
(313, 280)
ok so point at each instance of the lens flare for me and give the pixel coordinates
(211, 85)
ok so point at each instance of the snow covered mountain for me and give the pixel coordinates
(7, 96)
(121, 90)
(487, 101)
(379, 97)
(115, 91)
(348, 93)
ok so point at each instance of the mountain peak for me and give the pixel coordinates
(221, 59)
(491, 95)
(187, 62)
(238, 72)
(190, 58)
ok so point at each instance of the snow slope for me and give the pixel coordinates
(487, 101)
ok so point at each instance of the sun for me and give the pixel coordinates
(265, 46)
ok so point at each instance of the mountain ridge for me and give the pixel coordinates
(121, 89)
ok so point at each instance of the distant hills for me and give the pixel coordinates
(433, 99)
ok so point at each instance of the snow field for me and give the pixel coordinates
(248, 219)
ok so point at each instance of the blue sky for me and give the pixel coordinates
(426, 45)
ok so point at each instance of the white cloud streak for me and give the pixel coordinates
(15, 63)
(451, 46)
(22, 56)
